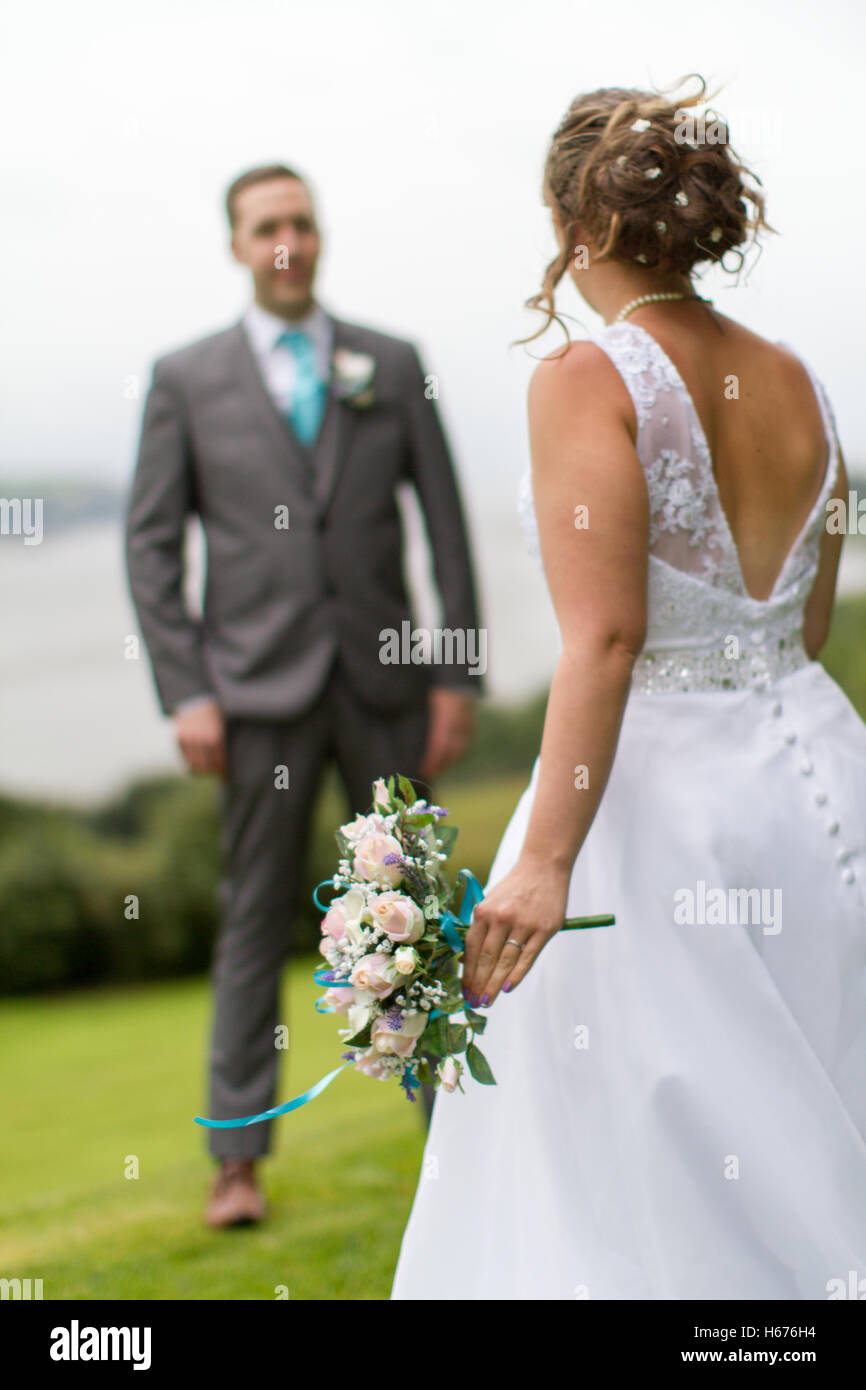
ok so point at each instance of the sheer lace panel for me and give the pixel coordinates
(698, 602)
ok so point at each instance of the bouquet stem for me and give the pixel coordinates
(604, 919)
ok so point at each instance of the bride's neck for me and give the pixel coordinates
(608, 288)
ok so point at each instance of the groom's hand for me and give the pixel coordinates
(452, 724)
(200, 731)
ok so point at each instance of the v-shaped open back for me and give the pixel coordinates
(705, 631)
(705, 461)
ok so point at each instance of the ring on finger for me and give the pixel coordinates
(510, 941)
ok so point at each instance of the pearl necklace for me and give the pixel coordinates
(654, 299)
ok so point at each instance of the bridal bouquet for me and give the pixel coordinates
(392, 945)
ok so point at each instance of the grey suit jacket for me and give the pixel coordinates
(279, 603)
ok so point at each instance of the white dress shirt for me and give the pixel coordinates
(277, 361)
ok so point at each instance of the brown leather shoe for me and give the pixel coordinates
(235, 1198)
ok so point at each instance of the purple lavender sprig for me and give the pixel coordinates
(412, 874)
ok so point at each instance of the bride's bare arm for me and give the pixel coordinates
(592, 510)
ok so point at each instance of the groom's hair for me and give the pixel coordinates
(260, 174)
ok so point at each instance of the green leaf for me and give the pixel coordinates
(425, 1071)
(455, 1036)
(450, 1006)
(447, 834)
(433, 1037)
(479, 1066)
(407, 791)
(478, 1021)
(362, 1039)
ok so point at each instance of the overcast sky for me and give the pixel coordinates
(423, 129)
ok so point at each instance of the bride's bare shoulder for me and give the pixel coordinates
(769, 352)
(576, 377)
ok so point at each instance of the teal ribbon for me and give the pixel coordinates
(472, 895)
(278, 1109)
(330, 882)
(454, 927)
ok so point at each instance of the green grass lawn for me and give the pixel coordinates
(94, 1077)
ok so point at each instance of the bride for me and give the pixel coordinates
(680, 1108)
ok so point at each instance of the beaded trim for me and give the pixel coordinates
(660, 672)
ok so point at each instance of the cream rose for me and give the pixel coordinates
(358, 1015)
(397, 916)
(370, 855)
(374, 1064)
(401, 1041)
(449, 1073)
(375, 972)
(406, 960)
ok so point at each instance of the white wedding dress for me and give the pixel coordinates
(681, 1102)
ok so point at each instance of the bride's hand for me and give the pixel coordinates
(527, 905)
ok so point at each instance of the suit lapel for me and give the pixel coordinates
(331, 445)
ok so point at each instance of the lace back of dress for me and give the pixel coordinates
(687, 527)
(704, 630)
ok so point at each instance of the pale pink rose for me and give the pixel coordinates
(342, 998)
(344, 914)
(449, 1072)
(334, 922)
(400, 1041)
(373, 1064)
(375, 972)
(396, 915)
(381, 796)
(356, 829)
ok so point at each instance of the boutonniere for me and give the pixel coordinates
(353, 374)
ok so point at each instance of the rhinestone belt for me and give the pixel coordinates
(660, 672)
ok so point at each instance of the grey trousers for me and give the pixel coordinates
(265, 836)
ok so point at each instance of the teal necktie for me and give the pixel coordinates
(308, 397)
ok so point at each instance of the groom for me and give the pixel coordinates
(287, 433)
